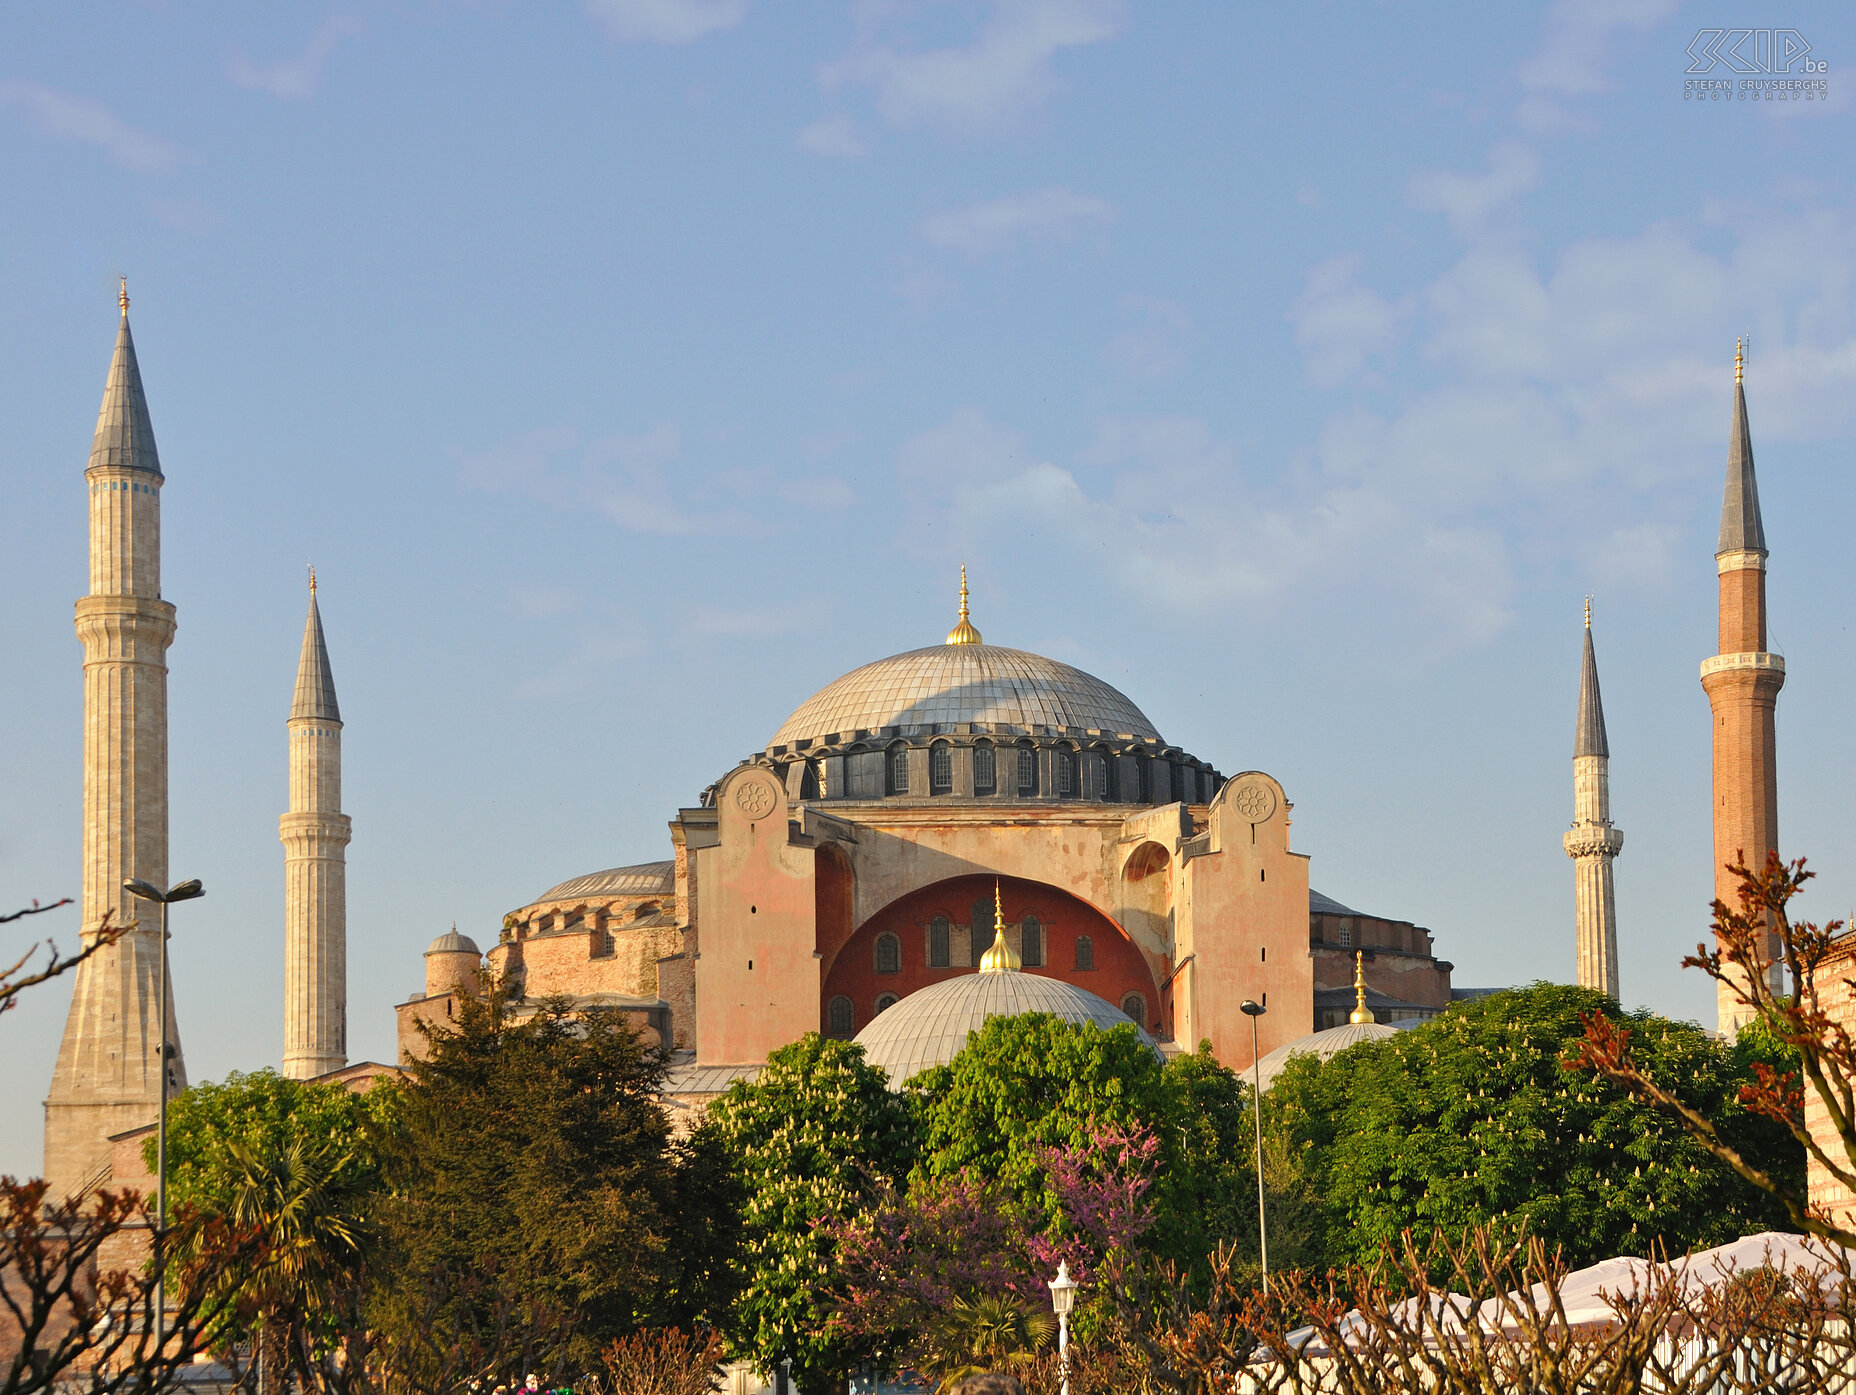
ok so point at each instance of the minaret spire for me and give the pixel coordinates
(1593, 841)
(315, 836)
(109, 1075)
(1742, 681)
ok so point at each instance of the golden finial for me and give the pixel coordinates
(999, 958)
(1740, 359)
(312, 581)
(1362, 1014)
(1588, 612)
(122, 296)
(964, 633)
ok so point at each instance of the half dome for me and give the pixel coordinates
(948, 684)
(1320, 1045)
(642, 879)
(931, 1026)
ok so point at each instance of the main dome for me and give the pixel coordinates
(948, 684)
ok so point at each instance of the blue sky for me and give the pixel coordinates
(630, 370)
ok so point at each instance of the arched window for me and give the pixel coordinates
(1136, 1007)
(885, 1000)
(982, 928)
(898, 767)
(1085, 952)
(1065, 762)
(1027, 770)
(1346, 934)
(838, 1017)
(937, 942)
(940, 768)
(1031, 943)
(888, 954)
(985, 771)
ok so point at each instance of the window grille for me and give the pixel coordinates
(1065, 762)
(982, 928)
(1085, 952)
(1031, 943)
(985, 774)
(887, 1000)
(838, 1017)
(1136, 1008)
(1027, 770)
(940, 768)
(937, 943)
(888, 954)
(899, 770)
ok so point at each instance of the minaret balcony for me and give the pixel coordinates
(1730, 663)
(1593, 840)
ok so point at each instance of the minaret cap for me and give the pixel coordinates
(998, 958)
(964, 633)
(1361, 1015)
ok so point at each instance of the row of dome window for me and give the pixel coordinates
(841, 1012)
(1031, 944)
(1089, 774)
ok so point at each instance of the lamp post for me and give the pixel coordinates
(1253, 1011)
(184, 891)
(1062, 1299)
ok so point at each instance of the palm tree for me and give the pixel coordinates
(995, 1332)
(304, 1203)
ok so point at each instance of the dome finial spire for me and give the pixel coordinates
(1361, 1014)
(998, 958)
(964, 633)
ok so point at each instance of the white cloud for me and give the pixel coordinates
(983, 87)
(621, 478)
(1574, 54)
(297, 78)
(667, 21)
(1471, 201)
(836, 137)
(1338, 324)
(1040, 216)
(63, 116)
(1155, 343)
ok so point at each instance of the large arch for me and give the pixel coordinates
(1118, 967)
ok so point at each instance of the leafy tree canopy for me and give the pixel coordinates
(537, 1150)
(265, 1114)
(1473, 1119)
(817, 1140)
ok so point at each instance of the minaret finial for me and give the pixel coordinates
(1740, 359)
(999, 958)
(122, 295)
(312, 591)
(1362, 1014)
(1588, 612)
(964, 633)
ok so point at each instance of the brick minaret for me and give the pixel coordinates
(315, 835)
(1743, 682)
(1592, 842)
(108, 1077)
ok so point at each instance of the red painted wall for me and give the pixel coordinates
(1119, 967)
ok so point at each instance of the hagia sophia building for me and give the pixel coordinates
(960, 829)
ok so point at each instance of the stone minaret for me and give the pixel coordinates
(1592, 842)
(315, 833)
(108, 1076)
(1742, 683)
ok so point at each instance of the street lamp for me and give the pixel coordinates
(185, 891)
(1062, 1299)
(1253, 1011)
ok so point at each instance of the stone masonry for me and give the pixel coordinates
(108, 1077)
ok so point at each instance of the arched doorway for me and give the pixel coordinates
(929, 935)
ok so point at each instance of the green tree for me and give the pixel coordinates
(817, 1139)
(1473, 1119)
(533, 1169)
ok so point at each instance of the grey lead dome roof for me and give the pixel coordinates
(931, 1026)
(946, 684)
(642, 879)
(1320, 1045)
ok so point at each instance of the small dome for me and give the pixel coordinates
(931, 1026)
(1321, 1045)
(453, 943)
(641, 879)
(965, 681)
